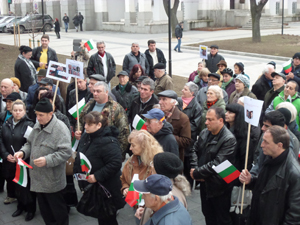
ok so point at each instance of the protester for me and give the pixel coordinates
(48, 151)
(12, 136)
(292, 125)
(102, 63)
(99, 143)
(202, 79)
(163, 81)
(221, 66)
(93, 79)
(161, 130)
(24, 68)
(228, 82)
(158, 196)
(135, 57)
(57, 28)
(192, 76)
(238, 69)
(215, 144)
(17, 86)
(36, 99)
(7, 87)
(264, 82)
(214, 98)
(82, 55)
(178, 35)
(154, 56)
(295, 73)
(213, 59)
(179, 120)
(66, 22)
(271, 194)
(242, 84)
(135, 73)
(43, 54)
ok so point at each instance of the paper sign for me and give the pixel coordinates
(203, 51)
(27, 132)
(74, 69)
(80, 176)
(252, 109)
(58, 71)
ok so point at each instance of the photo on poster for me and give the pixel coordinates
(57, 71)
(252, 110)
(75, 69)
(203, 51)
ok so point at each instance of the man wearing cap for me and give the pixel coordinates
(135, 57)
(213, 59)
(163, 81)
(48, 147)
(215, 145)
(144, 101)
(161, 130)
(264, 83)
(157, 193)
(7, 113)
(179, 120)
(154, 56)
(7, 87)
(295, 73)
(124, 91)
(32, 89)
(102, 63)
(213, 79)
(117, 115)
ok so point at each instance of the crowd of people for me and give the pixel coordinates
(184, 138)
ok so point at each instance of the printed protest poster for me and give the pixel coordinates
(74, 69)
(252, 108)
(203, 51)
(58, 71)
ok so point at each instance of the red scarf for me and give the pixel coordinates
(210, 104)
(102, 55)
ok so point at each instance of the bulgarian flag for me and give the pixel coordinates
(227, 171)
(133, 197)
(73, 110)
(86, 166)
(90, 45)
(138, 123)
(287, 66)
(21, 173)
(75, 143)
(1, 160)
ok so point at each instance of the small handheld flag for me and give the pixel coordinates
(1, 160)
(73, 110)
(86, 166)
(90, 45)
(287, 66)
(21, 177)
(227, 171)
(138, 123)
(133, 197)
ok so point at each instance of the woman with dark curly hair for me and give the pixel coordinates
(135, 73)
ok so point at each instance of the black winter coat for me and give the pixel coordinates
(212, 61)
(206, 154)
(102, 149)
(23, 73)
(36, 54)
(57, 27)
(178, 31)
(12, 137)
(261, 87)
(160, 59)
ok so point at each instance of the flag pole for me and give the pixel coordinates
(55, 93)
(246, 163)
(76, 94)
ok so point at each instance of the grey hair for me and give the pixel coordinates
(150, 82)
(174, 101)
(266, 68)
(203, 63)
(164, 197)
(218, 91)
(101, 43)
(162, 70)
(9, 81)
(135, 43)
(290, 107)
(103, 84)
(156, 106)
(192, 87)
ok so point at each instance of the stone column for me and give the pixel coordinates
(16, 9)
(86, 7)
(298, 6)
(130, 14)
(4, 7)
(53, 9)
(26, 8)
(101, 13)
(144, 14)
(69, 7)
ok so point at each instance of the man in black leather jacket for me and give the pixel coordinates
(214, 145)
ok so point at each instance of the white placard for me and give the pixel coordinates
(74, 69)
(57, 71)
(203, 51)
(252, 109)
(27, 132)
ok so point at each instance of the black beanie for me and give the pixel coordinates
(44, 105)
(167, 164)
(287, 115)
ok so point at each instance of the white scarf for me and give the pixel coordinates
(30, 66)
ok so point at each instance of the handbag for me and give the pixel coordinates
(70, 164)
(96, 202)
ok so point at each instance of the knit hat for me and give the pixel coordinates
(168, 164)
(297, 55)
(16, 81)
(222, 62)
(244, 79)
(44, 106)
(287, 115)
(227, 71)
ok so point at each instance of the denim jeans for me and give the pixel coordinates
(178, 45)
(66, 27)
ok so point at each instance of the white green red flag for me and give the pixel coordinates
(86, 166)
(287, 66)
(75, 143)
(133, 197)
(227, 171)
(73, 110)
(90, 45)
(21, 177)
(1, 160)
(138, 123)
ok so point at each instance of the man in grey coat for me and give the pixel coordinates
(48, 147)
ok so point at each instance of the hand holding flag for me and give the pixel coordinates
(90, 45)
(86, 166)
(133, 197)
(21, 177)
(227, 171)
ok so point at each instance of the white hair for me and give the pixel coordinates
(192, 87)
(164, 197)
(103, 84)
(267, 68)
(135, 43)
(289, 106)
(174, 101)
(217, 90)
(8, 81)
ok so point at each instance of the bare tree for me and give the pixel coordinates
(34, 31)
(174, 20)
(256, 10)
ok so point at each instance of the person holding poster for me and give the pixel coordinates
(213, 59)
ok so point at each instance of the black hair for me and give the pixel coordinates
(294, 82)
(240, 126)
(275, 118)
(151, 42)
(25, 49)
(280, 134)
(220, 113)
(240, 67)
